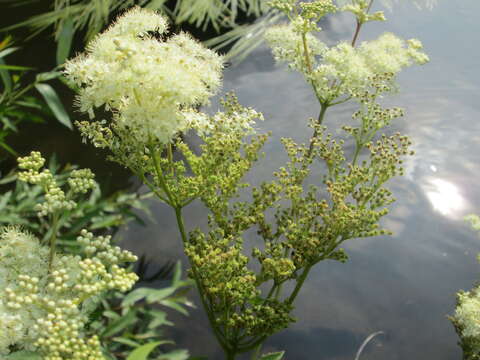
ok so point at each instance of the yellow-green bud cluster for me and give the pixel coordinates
(51, 308)
(81, 181)
(56, 200)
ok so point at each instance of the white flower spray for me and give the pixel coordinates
(150, 81)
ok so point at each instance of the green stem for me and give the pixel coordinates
(321, 117)
(357, 31)
(21, 92)
(359, 25)
(300, 282)
(217, 333)
(308, 63)
(53, 242)
(183, 233)
(170, 158)
(161, 178)
(256, 352)
(358, 147)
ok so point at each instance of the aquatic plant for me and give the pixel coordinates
(245, 294)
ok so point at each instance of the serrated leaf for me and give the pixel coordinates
(54, 103)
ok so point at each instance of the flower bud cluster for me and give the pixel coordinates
(221, 270)
(266, 319)
(51, 309)
(226, 155)
(80, 181)
(360, 9)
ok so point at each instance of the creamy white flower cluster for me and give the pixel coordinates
(343, 69)
(47, 312)
(235, 118)
(150, 82)
(80, 181)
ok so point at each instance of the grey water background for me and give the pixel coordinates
(403, 285)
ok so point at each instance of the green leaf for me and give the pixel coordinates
(65, 41)
(159, 318)
(6, 79)
(53, 101)
(174, 305)
(14, 67)
(134, 296)
(143, 351)
(24, 355)
(8, 148)
(126, 341)
(160, 294)
(120, 324)
(175, 355)
(8, 51)
(273, 356)
(177, 274)
(49, 75)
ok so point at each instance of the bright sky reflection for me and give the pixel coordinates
(445, 197)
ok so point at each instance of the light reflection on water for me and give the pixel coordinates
(445, 197)
(403, 285)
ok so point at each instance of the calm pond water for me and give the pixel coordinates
(403, 285)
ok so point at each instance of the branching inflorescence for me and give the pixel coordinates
(153, 85)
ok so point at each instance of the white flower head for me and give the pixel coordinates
(145, 82)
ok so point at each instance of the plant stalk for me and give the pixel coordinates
(53, 242)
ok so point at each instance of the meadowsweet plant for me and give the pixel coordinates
(153, 83)
(467, 313)
(44, 307)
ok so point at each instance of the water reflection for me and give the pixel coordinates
(445, 197)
